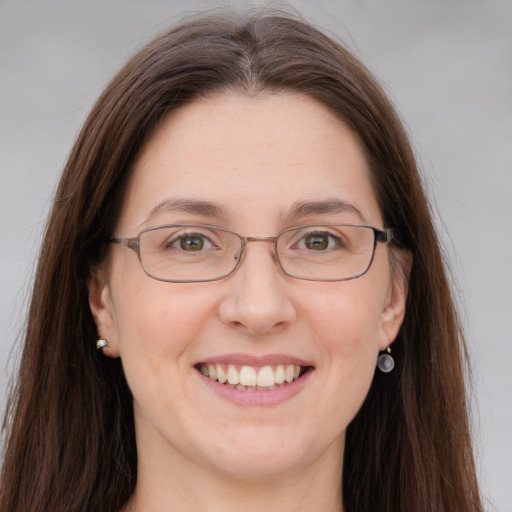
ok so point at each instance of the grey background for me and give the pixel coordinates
(446, 64)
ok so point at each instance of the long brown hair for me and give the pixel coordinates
(69, 427)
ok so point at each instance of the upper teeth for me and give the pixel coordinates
(264, 377)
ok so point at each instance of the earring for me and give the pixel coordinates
(385, 362)
(101, 344)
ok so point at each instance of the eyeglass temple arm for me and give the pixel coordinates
(383, 236)
(131, 243)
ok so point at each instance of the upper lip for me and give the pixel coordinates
(255, 361)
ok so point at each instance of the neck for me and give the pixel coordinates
(184, 487)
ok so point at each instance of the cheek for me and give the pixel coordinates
(347, 317)
(156, 323)
(158, 328)
(346, 325)
(352, 346)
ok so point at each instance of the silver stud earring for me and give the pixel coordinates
(101, 344)
(385, 362)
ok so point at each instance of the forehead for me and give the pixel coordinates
(253, 156)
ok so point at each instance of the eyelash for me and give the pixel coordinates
(338, 241)
(169, 243)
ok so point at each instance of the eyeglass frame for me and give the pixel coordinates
(380, 235)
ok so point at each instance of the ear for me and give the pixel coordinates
(100, 302)
(394, 308)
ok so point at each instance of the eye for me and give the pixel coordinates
(319, 241)
(190, 242)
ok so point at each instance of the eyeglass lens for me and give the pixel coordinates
(200, 253)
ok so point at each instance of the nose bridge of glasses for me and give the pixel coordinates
(260, 239)
(247, 239)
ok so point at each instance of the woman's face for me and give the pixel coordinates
(263, 164)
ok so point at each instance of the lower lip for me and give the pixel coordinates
(270, 397)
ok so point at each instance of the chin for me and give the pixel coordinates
(259, 468)
(267, 454)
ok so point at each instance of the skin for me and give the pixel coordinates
(255, 157)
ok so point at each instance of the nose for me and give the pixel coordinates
(258, 301)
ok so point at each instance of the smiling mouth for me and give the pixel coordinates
(251, 378)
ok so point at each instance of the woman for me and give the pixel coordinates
(241, 231)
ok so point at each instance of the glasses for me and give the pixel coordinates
(187, 253)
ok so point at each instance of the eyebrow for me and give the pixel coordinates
(296, 212)
(191, 206)
(330, 206)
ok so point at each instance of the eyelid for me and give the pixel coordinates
(192, 234)
(185, 233)
(316, 229)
